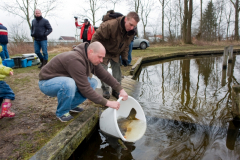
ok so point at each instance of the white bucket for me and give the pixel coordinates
(109, 117)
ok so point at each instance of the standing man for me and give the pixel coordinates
(68, 77)
(41, 28)
(115, 34)
(3, 42)
(87, 30)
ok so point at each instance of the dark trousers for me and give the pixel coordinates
(85, 40)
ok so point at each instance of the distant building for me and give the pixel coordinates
(67, 39)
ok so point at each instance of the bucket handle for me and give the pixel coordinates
(119, 99)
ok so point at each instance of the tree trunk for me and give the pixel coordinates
(163, 20)
(228, 22)
(200, 19)
(180, 10)
(236, 20)
(220, 21)
(185, 18)
(189, 26)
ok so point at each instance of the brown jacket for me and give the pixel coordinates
(75, 64)
(115, 39)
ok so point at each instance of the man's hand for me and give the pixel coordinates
(123, 94)
(125, 62)
(11, 73)
(113, 104)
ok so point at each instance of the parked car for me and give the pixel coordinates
(140, 43)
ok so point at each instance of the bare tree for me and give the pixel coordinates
(163, 4)
(136, 6)
(187, 21)
(201, 15)
(228, 15)
(220, 9)
(92, 11)
(236, 6)
(18, 34)
(114, 2)
(25, 8)
(146, 8)
(189, 26)
(180, 16)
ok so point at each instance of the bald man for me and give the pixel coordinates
(68, 77)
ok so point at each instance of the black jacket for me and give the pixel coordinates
(40, 29)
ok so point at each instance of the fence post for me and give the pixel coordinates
(236, 102)
(224, 72)
(230, 51)
(225, 57)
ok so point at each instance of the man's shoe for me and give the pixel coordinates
(106, 94)
(115, 94)
(65, 118)
(77, 109)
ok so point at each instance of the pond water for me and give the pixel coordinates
(187, 104)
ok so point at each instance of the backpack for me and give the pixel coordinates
(111, 15)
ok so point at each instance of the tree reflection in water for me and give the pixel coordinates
(191, 107)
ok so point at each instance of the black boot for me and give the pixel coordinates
(44, 62)
(40, 66)
(115, 94)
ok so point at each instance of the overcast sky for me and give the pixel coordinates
(63, 24)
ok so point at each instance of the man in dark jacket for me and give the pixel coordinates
(68, 76)
(41, 28)
(115, 34)
(87, 30)
(3, 42)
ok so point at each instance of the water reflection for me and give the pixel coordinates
(192, 103)
(187, 104)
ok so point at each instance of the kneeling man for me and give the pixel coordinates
(68, 77)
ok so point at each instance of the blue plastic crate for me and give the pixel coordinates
(8, 62)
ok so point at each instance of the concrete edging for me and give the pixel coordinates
(66, 141)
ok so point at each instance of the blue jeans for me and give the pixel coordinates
(5, 92)
(130, 52)
(4, 54)
(65, 89)
(38, 45)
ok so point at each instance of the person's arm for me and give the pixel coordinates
(48, 28)
(5, 70)
(77, 70)
(116, 104)
(77, 25)
(32, 30)
(124, 55)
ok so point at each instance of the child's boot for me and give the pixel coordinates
(6, 110)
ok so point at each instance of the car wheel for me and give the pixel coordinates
(143, 45)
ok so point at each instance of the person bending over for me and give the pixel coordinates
(68, 77)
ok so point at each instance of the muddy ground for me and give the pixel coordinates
(35, 117)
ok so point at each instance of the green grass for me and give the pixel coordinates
(155, 50)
